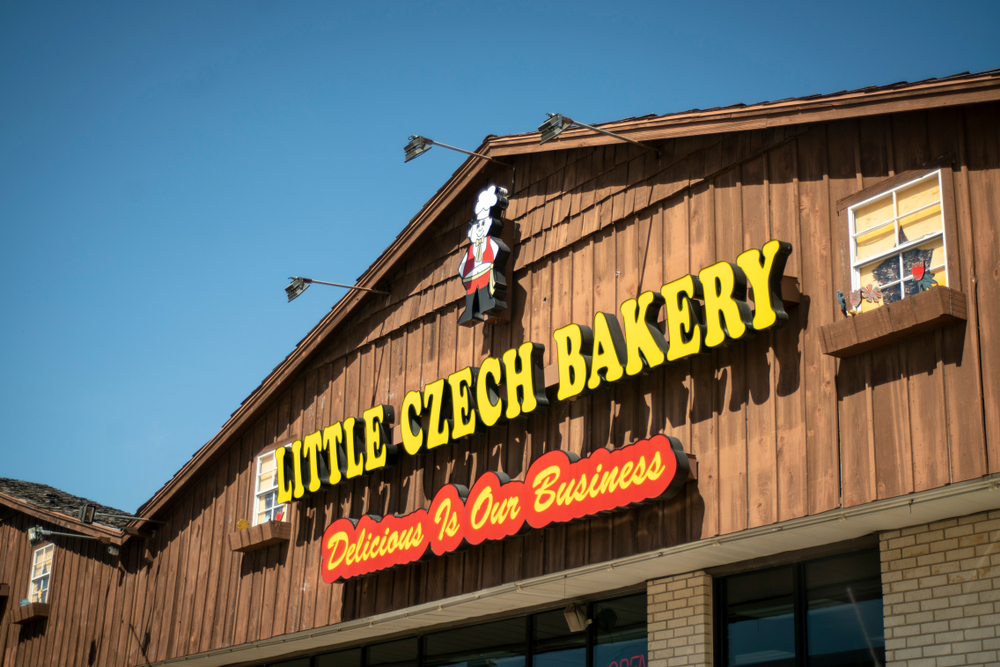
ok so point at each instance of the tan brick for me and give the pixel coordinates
(931, 559)
(973, 518)
(974, 610)
(900, 542)
(951, 660)
(959, 554)
(903, 586)
(941, 649)
(959, 531)
(913, 530)
(963, 600)
(917, 572)
(991, 644)
(919, 617)
(986, 526)
(972, 540)
(922, 662)
(988, 549)
(908, 653)
(985, 658)
(945, 568)
(903, 563)
(916, 596)
(906, 608)
(981, 633)
(933, 604)
(963, 623)
(967, 647)
(935, 626)
(906, 631)
(930, 536)
(920, 640)
(944, 523)
(947, 613)
(945, 545)
(977, 585)
(936, 580)
(915, 550)
(948, 637)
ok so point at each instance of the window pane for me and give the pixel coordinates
(402, 653)
(873, 214)
(844, 621)
(921, 223)
(621, 632)
(555, 645)
(918, 195)
(760, 625)
(874, 242)
(500, 644)
(351, 658)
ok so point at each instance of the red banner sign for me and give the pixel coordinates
(559, 487)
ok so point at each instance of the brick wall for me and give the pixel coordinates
(941, 593)
(679, 617)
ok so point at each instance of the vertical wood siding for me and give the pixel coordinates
(779, 430)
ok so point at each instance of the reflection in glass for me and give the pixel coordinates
(621, 632)
(844, 619)
(555, 645)
(760, 619)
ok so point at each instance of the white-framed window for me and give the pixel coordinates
(266, 507)
(41, 571)
(898, 241)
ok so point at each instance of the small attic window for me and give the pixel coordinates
(897, 239)
(266, 507)
(41, 569)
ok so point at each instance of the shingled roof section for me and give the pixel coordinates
(49, 498)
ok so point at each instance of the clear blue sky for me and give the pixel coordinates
(164, 167)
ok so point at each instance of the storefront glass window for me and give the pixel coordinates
(500, 644)
(620, 627)
(615, 637)
(402, 653)
(350, 658)
(555, 645)
(821, 613)
(845, 611)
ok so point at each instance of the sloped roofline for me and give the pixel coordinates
(106, 534)
(956, 90)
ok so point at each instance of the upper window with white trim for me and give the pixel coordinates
(898, 243)
(41, 570)
(266, 507)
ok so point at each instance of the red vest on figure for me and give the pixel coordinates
(477, 274)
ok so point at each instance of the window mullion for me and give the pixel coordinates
(799, 612)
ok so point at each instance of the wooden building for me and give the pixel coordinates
(836, 497)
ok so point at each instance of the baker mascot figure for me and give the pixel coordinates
(483, 266)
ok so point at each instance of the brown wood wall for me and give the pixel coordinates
(779, 430)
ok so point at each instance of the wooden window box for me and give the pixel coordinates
(260, 536)
(30, 613)
(933, 309)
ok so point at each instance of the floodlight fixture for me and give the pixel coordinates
(419, 145)
(88, 512)
(300, 285)
(576, 618)
(557, 123)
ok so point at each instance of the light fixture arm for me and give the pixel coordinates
(570, 121)
(420, 144)
(36, 534)
(358, 287)
(461, 150)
